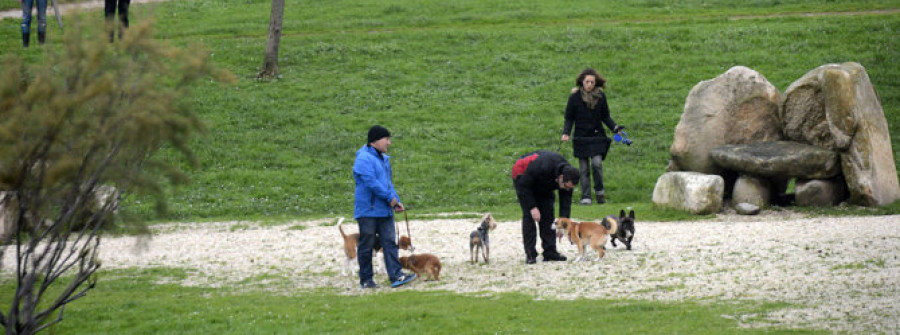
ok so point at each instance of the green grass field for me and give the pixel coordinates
(468, 86)
(465, 87)
(134, 302)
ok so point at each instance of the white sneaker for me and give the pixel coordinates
(586, 201)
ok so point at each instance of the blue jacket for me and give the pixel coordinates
(374, 185)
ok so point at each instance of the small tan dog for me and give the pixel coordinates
(479, 239)
(583, 234)
(424, 265)
(352, 240)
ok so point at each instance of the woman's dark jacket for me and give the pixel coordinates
(589, 138)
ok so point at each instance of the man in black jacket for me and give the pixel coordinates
(536, 176)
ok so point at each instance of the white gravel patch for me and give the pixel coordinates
(841, 273)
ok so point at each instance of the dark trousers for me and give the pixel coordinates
(109, 10)
(590, 167)
(369, 230)
(529, 232)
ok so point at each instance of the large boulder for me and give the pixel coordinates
(778, 159)
(737, 107)
(835, 106)
(693, 192)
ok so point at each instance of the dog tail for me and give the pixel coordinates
(613, 225)
(341, 220)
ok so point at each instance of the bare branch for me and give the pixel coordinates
(58, 319)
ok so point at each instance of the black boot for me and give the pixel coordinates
(42, 37)
(25, 38)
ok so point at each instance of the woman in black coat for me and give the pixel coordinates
(588, 111)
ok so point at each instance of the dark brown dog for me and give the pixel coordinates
(424, 265)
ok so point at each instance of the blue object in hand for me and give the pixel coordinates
(623, 138)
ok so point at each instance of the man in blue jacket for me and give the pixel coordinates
(375, 204)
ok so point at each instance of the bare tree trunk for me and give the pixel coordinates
(270, 62)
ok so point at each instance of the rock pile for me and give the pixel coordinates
(827, 133)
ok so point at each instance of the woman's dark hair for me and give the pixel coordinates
(590, 72)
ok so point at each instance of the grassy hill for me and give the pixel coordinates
(468, 86)
(465, 86)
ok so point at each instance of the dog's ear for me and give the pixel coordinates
(491, 223)
(622, 213)
(631, 214)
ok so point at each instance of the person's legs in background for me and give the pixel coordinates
(123, 16)
(584, 167)
(27, 6)
(42, 21)
(597, 170)
(109, 13)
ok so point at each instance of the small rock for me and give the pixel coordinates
(746, 209)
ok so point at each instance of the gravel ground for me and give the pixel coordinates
(841, 273)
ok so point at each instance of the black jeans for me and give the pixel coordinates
(109, 10)
(529, 233)
(587, 167)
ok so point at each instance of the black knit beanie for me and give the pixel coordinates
(378, 132)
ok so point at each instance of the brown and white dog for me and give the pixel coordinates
(583, 234)
(479, 240)
(424, 265)
(350, 244)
